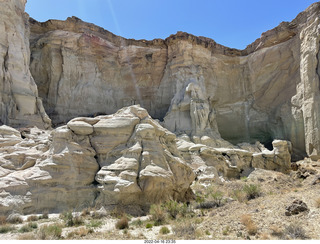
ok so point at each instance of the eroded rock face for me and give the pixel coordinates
(124, 159)
(267, 91)
(19, 101)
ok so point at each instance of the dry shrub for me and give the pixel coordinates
(247, 221)
(240, 196)
(14, 219)
(264, 236)
(3, 220)
(295, 231)
(32, 218)
(122, 223)
(85, 212)
(27, 236)
(81, 232)
(276, 231)
(186, 231)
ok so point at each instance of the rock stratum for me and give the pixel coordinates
(137, 122)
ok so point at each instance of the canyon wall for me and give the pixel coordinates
(193, 85)
(19, 101)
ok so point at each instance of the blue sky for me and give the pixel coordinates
(233, 23)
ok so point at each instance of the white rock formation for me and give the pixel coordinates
(122, 159)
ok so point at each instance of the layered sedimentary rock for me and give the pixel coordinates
(268, 91)
(19, 101)
(124, 159)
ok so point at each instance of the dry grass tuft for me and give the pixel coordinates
(3, 220)
(317, 202)
(122, 223)
(32, 218)
(247, 221)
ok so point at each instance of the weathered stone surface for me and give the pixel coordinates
(296, 207)
(267, 91)
(19, 101)
(134, 164)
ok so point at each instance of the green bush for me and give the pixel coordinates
(6, 228)
(50, 232)
(94, 224)
(158, 215)
(252, 191)
(149, 226)
(71, 220)
(164, 230)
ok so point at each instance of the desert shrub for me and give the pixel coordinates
(149, 226)
(164, 230)
(185, 230)
(50, 232)
(14, 219)
(174, 209)
(122, 223)
(82, 231)
(207, 232)
(276, 231)
(32, 218)
(6, 228)
(247, 221)
(137, 222)
(3, 220)
(252, 191)
(158, 215)
(295, 231)
(28, 227)
(45, 215)
(71, 220)
(94, 223)
(239, 195)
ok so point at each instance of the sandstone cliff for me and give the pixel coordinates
(19, 101)
(193, 85)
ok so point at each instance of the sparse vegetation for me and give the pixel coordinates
(28, 227)
(295, 231)
(149, 226)
(164, 230)
(14, 219)
(122, 223)
(247, 221)
(3, 220)
(158, 214)
(226, 231)
(252, 191)
(71, 220)
(50, 232)
(6, 228)
(32, 218)
(185, 230)
(94, 223)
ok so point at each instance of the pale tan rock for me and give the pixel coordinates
(192, 84)
(19, 101)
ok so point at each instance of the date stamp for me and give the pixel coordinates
(160, 241)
